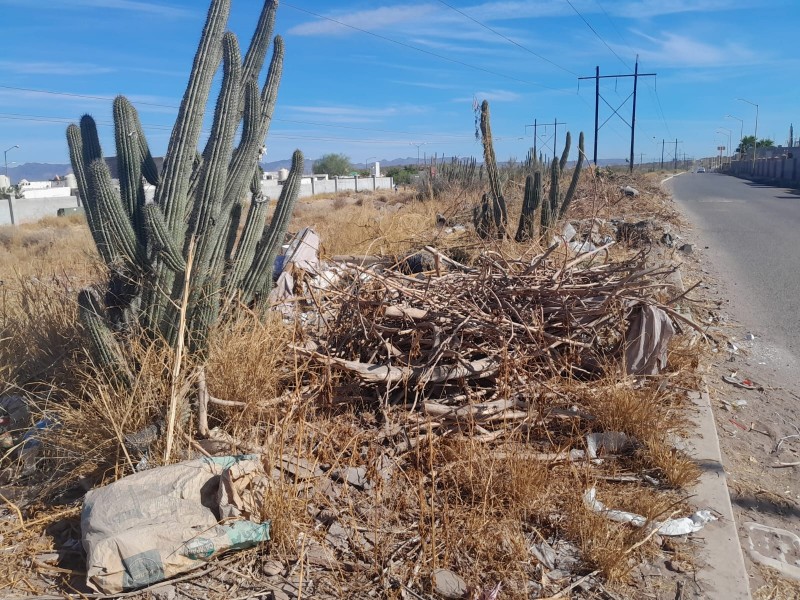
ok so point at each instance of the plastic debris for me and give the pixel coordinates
(608, 442)
(776, 548)
(152, 525)
(670, 527)
(742, 382)
(629, 191)
(582, 247)
(646, 340)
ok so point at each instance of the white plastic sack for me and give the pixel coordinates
(158, 523)
(683, 526)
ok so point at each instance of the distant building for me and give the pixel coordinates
(5, 182)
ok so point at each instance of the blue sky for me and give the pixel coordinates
(386, 79)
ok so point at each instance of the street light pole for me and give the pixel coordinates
(417, 144)
(5, 156)
(729, 138)
(755, 142)
(366, 162)
(741, 130)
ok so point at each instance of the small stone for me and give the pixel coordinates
(449, 585)
(686, 248)
(271, 568)
(164, 592)
(355, 476)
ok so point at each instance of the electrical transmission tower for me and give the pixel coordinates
(615, 111)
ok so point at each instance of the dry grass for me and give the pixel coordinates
(448, 501)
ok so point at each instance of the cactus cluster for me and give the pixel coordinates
(535, 211)
(490, 217)
(198, 205)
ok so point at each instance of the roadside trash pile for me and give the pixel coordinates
(442, 352)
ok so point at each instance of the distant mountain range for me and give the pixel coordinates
(47, 171)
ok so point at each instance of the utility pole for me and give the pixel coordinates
(675, 157)
(417, 144)
(615, 111)
(535, 127)
(663, 141)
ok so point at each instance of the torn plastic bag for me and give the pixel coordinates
(649, 331)
(158, 523)
(683, 526)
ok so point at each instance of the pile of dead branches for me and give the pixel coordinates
(483, 329)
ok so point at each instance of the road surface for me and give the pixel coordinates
(748, 253)
(753, 236)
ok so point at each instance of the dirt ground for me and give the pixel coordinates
(758, 428)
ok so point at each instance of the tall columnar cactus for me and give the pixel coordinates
(532, 200)
(198, 200)
(498, 219)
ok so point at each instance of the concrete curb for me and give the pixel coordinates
(721, 571)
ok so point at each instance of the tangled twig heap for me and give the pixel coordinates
(479, 329)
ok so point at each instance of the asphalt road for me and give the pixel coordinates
(753, 236)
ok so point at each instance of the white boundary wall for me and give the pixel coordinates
(311, 186)
(30, 210)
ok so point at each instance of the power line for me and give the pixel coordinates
(653, 91)
(508, 39)
(600, 37)
(418, 49)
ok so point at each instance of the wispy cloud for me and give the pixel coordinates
(355, 114)
(676, 50)
(158, 9)
(376, 19)
(54, 68)
(492, 96)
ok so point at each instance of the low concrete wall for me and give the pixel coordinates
(311, 186)
(59, 192)
(779, 170)
(30, 210)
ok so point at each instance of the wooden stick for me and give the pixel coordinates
(176, 369)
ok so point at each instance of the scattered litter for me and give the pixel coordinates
(608, 442)
(582, 247)
(740, 382)
(749, 336)
(646, 340)
(150, 526)
(670, 527)
(775, 548)
(629, 191)
(733, 348)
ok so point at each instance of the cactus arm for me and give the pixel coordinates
(172, 195)
(251, 233)
(129, 158)
(562, 164)
(104, 347)
(75, 144)
(218, 150)
(257, 119)
(576, 174)
(119, 230)
(554, 193)
(162, 241)
(91, 142)
(258, 279)
(259, 43)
